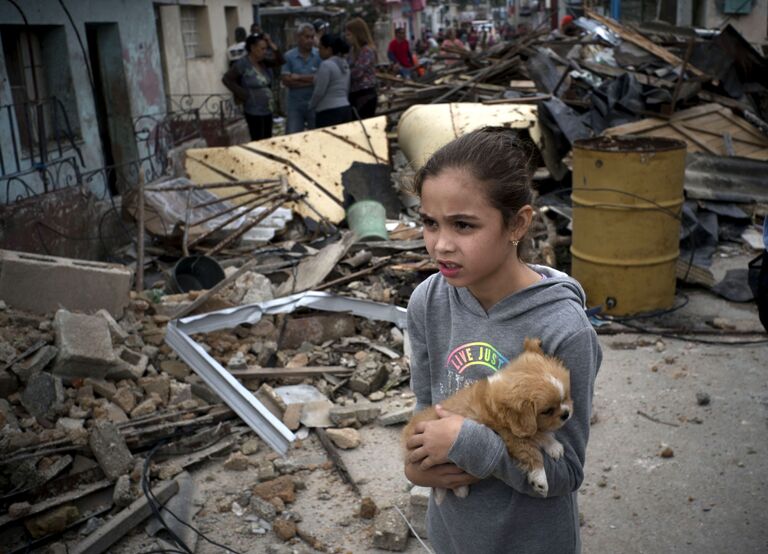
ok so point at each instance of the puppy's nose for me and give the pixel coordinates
(565, 415)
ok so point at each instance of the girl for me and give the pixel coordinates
(330, 97)
(464, 324)
(250, 80)
(362, 62)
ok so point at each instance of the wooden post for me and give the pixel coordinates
(140, 238)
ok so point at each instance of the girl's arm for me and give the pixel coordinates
(581, 355)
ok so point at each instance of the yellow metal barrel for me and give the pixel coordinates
(627, 202)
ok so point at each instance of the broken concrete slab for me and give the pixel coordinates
(34, 364)
(396, 415)
(110, 450)
(118, 334)
(43, 284)
(368, 377)
(85, 345)
(44, 396)
(316, 329)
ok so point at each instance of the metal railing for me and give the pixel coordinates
(39, 133)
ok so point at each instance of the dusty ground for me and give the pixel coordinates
(708, 497)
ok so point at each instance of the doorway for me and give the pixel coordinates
(112, 103)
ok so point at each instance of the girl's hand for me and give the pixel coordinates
(446, 476)
(431, 441)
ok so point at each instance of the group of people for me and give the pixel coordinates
(330, 79)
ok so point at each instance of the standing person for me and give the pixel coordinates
(451, 42)
(237, 50)
(362, 62)
(330, 99)
(301, 64)
(399, 53)
(465, 323)
(250, 80)
(472, 39)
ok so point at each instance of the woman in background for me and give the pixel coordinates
(250, 80)
(330, 97)
(362, 62)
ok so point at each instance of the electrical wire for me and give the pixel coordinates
(157, 507)
(674, 336)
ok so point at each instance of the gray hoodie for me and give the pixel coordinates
(454, 342)
(331, 85)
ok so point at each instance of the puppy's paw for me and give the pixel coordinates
(439, 495)
(462, 491)
(538, 480)
(554, 449)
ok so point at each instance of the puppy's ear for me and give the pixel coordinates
(533, 345)
(523, 420)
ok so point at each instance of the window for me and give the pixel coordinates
(43, 109)
(195, 31)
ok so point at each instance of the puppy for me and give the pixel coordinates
(524, 403)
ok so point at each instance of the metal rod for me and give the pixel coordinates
(254, 202)
(11, 119)
(261, 191)
(248, 226)
(230, 220)
(219, 185)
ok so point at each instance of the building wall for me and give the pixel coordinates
(751, 26)
(130, 25)
(198, 76)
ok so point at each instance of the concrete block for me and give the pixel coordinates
(85, 346)
(109, 448)
(366, 380)
(130, 365)
(316, 329)
(43, 284)
(354, 414)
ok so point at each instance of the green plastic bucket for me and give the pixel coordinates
(367, 219)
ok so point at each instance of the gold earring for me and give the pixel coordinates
(515, 242)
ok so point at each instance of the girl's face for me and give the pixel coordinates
(325, 51)
(467, 236)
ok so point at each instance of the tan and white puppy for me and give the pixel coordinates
(524, 403)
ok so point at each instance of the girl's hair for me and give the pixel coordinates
(253, 39)
(361, 35)
(337, 44)
(496, 158)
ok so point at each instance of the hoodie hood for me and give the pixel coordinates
(555, 287)
(341, 63)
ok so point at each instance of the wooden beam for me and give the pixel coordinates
(115, 528)
(641, 41)
(273, 372)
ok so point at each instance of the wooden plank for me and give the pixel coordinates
(115, 528)
(273, 372)
(642, 42)
(692, 137)
(59, 500)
